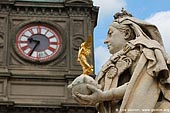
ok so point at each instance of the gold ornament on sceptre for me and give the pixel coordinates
(83, 54)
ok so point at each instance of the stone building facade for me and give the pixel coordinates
(32, 79)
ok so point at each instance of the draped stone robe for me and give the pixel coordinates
(148, 74)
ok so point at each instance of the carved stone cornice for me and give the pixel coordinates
(65, 9)
(47, 9)
(25, 109)
(34, 110)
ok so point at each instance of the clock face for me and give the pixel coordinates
(38, 43)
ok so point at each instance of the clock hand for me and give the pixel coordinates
(31, 40)
(37, 43)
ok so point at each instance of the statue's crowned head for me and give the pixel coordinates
(122, 14)
(123, 28)
(125, 22)
(126, 28)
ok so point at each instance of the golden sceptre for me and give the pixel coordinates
(83, 54)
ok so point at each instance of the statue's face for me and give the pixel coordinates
(115, 40)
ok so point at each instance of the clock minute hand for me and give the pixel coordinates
(37, 43)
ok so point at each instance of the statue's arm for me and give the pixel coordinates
(98, 95)
(115, 93)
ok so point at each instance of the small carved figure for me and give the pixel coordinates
(80, 83)
(136, 77)
(83, 54)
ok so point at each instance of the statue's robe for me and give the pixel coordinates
(148, 81)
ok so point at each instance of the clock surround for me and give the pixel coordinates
(38, 42)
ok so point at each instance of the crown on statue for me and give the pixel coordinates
(122, 14)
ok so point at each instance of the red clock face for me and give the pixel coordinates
(38, 43)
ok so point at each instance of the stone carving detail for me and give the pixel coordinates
(12, 109)
(44, 10)
(136, 77)
(78, 26)
(81, 110)
(78, 1)
(34, 110)
(17, 22)
(77, 40)
(1, 38)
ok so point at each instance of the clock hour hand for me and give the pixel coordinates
(32, 40)
(37, 43)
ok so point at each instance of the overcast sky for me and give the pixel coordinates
(154, 11)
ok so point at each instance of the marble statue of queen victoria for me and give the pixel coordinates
(136, 77)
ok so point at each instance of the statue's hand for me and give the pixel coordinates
(95, 97)
(99, 95)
